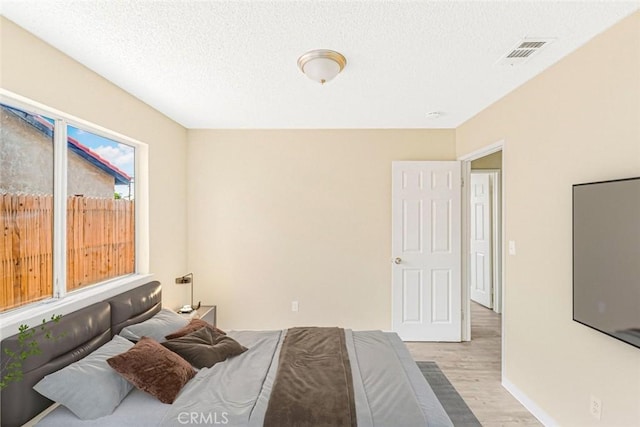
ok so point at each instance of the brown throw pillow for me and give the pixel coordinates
(193, 326)
(154, 369)
(204, 348)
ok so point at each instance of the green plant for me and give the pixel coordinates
(28, 346)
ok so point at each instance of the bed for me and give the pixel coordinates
(386, 388)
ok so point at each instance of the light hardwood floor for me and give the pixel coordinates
(474, 370)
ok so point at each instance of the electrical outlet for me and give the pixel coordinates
(596, 407)
(294, 305)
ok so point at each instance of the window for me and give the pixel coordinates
(67, 206)
(100, 208)
(26, 203)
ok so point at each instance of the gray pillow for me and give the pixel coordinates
(162, 323)
(89, 388)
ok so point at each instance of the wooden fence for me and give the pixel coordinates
(100, 244)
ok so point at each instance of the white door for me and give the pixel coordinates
(481, 263)
(426, 251)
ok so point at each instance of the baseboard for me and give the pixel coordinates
(531, 406)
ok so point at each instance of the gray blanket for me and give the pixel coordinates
(388, 387)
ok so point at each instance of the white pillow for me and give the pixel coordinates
(89, 388)
(162, 323)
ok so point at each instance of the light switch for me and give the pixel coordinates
(512, 247)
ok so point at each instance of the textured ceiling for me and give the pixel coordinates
(232, 64)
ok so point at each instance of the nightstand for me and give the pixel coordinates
(205, 312)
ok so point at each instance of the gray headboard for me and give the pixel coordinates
(80, 333)
(135, 306)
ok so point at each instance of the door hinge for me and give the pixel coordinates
(461, 182)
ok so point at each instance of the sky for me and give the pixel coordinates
(117, 154)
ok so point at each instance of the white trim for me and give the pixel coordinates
(466, 249)
(32, 314)
(483, 152)
(497, 238)
(30, 105)
(60, 209)
(141, 191)
(529, 404)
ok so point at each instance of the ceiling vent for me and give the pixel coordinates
(523, 51)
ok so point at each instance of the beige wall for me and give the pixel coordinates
(492, 161)
(276, 216)
(577, 122)
(32, 68)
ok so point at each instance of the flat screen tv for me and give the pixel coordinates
(606, 257)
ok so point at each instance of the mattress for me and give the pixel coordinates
(388, 386)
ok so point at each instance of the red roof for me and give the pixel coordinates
(89, 154)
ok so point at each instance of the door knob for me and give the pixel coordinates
(397, 260)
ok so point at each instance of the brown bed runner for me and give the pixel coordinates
(313, 385)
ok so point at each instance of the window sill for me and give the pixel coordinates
(33, 314)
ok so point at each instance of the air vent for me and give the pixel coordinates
(531, 45)
(524, 50)
(521, 53)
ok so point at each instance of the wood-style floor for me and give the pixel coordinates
(474, 370)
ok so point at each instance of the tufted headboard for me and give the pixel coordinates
(80, 333)
(135, 306)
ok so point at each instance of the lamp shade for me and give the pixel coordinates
(187, 279)
(321, 65)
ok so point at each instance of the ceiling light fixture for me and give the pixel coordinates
(322, 65)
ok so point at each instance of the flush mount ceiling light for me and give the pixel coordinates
(322, 65)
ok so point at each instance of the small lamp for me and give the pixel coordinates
(185, 280)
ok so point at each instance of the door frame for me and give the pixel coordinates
(466, 230)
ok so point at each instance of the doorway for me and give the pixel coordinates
(487, 158)
(412, 290)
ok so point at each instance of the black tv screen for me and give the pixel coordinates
(606, 257)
